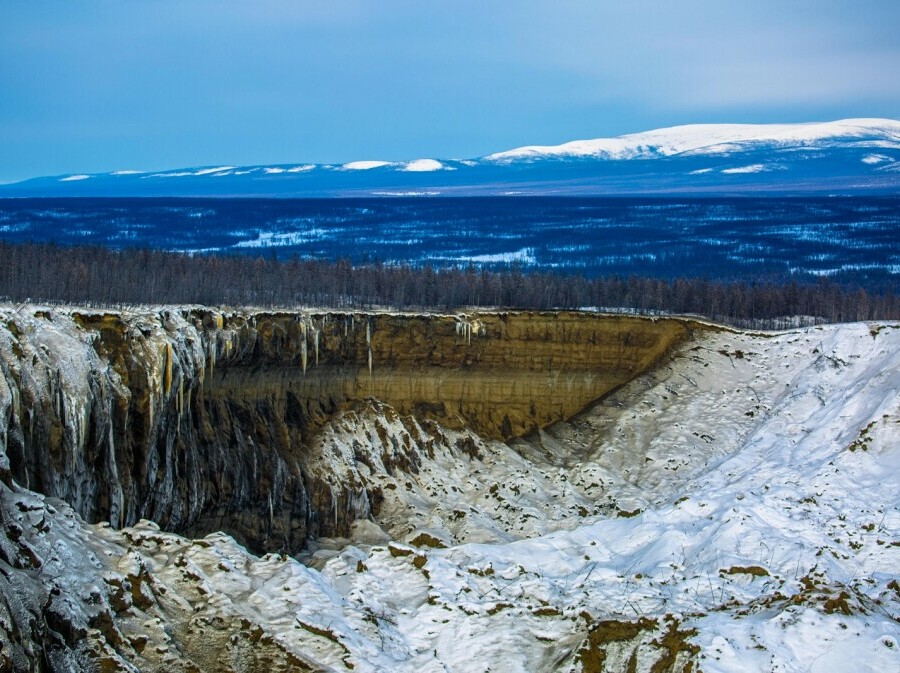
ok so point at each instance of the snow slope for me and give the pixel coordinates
(736, 510)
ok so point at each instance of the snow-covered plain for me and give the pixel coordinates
(737, 509)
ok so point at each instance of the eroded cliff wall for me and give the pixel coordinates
(200, 419)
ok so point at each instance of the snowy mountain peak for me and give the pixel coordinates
(715, 139)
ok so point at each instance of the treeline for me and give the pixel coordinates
(99, 276)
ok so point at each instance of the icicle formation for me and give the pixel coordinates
(466, 328)
(212, 354)
(303, 353)
(369, 343)
(167, 376)
(308, 329)
(316, 338)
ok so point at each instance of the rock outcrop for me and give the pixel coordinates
(201, 420)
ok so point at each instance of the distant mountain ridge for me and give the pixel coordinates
(702, 139)
(841, 157)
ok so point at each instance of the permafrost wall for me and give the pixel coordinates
(199, 419)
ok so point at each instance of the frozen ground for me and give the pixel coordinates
(736, 510)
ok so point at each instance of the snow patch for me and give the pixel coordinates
(268, 239)
(209, 171)
(72, 178)
(752, 168)
(410, 193)
(364, 165)
(278, 170)
(525, 256)
(423, 166)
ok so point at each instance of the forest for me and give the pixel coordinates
(98, 276)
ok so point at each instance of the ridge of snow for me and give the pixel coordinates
(711, 139)
(72, 178)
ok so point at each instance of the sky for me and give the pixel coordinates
(102, 85)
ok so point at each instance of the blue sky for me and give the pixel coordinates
(100, 85)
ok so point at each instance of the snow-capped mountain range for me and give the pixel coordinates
(720, 139)
(846, 156)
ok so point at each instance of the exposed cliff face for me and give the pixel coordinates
(201, 420)
(501, 375)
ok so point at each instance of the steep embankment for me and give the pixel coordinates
(203, 420)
